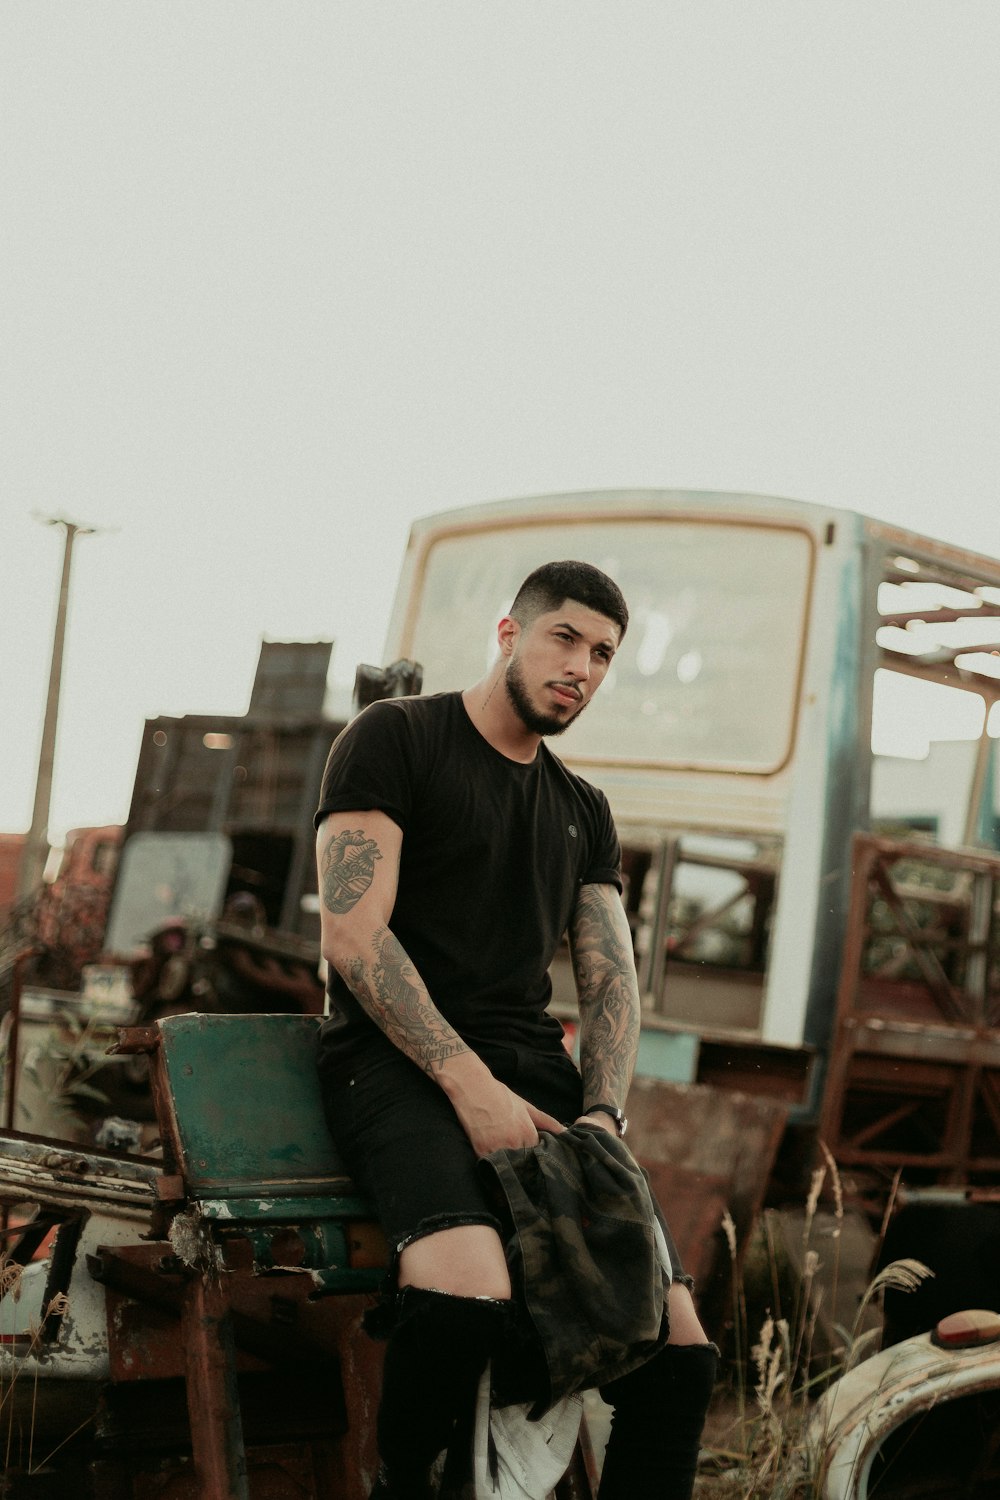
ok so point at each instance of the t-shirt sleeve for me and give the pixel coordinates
(369, 767)
(605, 864)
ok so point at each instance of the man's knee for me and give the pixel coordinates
(678, 1378)
(438, 1347)
(466, 1260)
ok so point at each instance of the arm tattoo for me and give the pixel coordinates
(348, 870)
(390, 991)
(609, 997)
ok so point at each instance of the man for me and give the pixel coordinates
(454, 852)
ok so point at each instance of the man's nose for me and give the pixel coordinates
(578, 665)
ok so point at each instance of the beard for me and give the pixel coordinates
(532, 718)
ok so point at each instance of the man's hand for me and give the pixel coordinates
(496, 1119)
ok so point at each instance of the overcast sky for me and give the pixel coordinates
(277, 278)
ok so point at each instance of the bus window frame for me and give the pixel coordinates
(496, 524)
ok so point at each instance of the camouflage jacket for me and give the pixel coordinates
(587, 1256)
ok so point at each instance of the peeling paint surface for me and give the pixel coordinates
(858, 1413)
(113, 1199)
(192, 1243)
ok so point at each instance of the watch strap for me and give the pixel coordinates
(621, 1124)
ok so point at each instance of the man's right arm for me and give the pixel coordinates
(358, 864)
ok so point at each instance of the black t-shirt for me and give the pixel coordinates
(493, 855)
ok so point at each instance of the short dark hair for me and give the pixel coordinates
(555, 582)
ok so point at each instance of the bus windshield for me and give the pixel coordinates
(707, 674)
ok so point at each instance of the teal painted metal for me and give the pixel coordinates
(253, 1147)
(671, 1056)
(986, 818)
(339, 1280)
(247, 1109)
(846, 800)
(322, 1242)
(281, 1210)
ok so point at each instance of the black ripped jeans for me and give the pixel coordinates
(404, 1147)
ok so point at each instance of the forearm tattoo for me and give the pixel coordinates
(389, 990)
(348, 869)
(608, 993)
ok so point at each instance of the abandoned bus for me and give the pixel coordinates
(796, 740)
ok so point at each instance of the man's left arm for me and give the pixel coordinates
(608, 992)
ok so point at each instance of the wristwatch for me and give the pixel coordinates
(621, 1124)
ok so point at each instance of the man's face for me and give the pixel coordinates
(557, 663)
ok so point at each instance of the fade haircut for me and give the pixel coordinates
(553, 583)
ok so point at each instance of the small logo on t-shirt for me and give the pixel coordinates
(572, 830)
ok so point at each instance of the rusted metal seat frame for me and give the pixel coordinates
(277, 1185)
(899, 1047)
(247, 1163)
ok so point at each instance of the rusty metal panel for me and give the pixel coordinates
(290, 678)
(213, 1397)
(276, 1318)
(914, 1075)
(144, 1334)
(706, 1151)
(148, 1342)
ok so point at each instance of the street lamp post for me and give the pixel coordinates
(36, 848)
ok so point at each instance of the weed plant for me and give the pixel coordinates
(778, 1372)
(18, 1409)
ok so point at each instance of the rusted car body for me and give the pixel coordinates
(921, 1418)
(172, 1301)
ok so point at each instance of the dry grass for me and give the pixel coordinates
(755, 1440)
(17, 1441)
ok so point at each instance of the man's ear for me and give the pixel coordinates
(507, 633)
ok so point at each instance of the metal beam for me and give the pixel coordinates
(36, 848)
